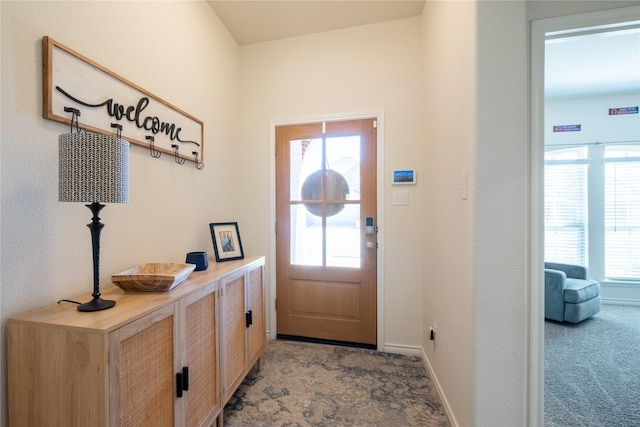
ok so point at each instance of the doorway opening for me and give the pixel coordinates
(327, 211)
(548, 38)
(326, 240)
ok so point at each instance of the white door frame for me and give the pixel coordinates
(379, 116)
(539, 29)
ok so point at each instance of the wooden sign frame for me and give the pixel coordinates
(105, 98)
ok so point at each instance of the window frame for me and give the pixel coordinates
(596, 162)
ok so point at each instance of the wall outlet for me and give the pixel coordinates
(432, 333)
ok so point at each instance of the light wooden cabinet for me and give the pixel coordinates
(257, 337)
(163, 369)
(243, 325)
(152, 360)
(200, 356)
(141, 386)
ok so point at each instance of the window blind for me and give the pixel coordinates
(565, 212)
(622, 213)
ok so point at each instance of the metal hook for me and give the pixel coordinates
(118, 128)
(152, 148)
(199, 165)
(75, 113)
(176, 156)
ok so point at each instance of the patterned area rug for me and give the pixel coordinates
(306, 384)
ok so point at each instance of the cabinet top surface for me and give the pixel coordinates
(129, 305)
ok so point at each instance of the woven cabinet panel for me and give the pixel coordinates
(257, 338)
(201, 358)
(235, 328)
(146, 376)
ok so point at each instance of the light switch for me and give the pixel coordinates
(464, 193)
(401, 198)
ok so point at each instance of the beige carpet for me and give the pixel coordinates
(592, 370)
(306, 384)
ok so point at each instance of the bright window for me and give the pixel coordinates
(622, 212)
(565, 209)
(592, 209)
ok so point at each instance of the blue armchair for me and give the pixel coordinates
(569, 296)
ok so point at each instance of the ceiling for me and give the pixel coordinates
(575, 64)
(593, 63)
(260, 21)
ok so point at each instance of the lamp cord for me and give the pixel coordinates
(68, 300)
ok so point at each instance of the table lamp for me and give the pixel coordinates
(93, 169)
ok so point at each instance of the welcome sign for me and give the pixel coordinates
(104, 98)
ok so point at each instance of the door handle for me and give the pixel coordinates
(370, 245)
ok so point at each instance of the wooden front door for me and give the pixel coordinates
(325, 253)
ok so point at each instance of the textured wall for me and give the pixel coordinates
(501, 216)
(177, 50)
(476, 265)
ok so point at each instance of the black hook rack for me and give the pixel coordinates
(176, 156)
(118, 128)
(199, 165)
(75, 113)
(152, 147)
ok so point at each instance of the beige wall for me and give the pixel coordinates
(449, 148)
(501, 240)
(352, 71)
(475, 277)
(177, 50)
(47, 257)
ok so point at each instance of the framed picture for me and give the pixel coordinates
(226, 241)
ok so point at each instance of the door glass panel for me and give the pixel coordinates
(306, 237)
(343, 238)
(323, 173)
(343, 156)
(305, 159)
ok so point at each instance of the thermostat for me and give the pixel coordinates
(405, 176)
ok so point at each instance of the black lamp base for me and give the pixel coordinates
(96, 304)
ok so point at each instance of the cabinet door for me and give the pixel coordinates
(201, 400)
(142, 371)
(257, 330)
(234, 332)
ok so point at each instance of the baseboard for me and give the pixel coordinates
(620, 301)
(419, 351)
(441, 395)
(402, 349)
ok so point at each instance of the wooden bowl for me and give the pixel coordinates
(153, 277)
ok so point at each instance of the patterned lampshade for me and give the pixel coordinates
(93, 168)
